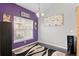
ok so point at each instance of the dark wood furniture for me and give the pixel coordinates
(5, 38)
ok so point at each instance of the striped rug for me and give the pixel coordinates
(37, 50)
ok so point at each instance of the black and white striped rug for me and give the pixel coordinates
(37, 50)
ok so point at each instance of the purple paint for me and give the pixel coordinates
(15, 10)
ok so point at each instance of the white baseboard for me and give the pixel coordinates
(53, 45)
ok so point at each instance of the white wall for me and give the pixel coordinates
(57, 36)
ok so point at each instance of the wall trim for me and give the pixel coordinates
(53, 46)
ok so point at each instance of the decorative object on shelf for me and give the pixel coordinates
(57, 20)
(6, 17)
(24, 14)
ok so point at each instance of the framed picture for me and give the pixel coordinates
(57, 20)
(23, 29)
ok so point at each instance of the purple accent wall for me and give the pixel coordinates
(14, 10)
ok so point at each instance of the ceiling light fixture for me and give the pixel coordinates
(39, 13)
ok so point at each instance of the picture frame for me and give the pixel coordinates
(56, 20)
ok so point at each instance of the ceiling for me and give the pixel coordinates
(47, 8)
(30, 6)
(34, 6)
(44, 7)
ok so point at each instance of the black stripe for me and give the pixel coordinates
(31, 51)
(50, 51)
(44, 53)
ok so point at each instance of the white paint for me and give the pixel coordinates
(57, 36)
